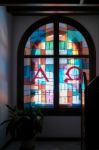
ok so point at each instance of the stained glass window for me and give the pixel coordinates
(70, 80)
(38, 82)
(41, 41)
(71, 41)
(55, 56)
(39, 72)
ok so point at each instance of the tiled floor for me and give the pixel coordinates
(50, 146)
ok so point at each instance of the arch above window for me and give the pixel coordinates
(52, 55)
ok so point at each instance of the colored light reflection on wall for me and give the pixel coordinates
(3, 59)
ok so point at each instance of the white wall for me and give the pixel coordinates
(54, 126)
(4, 68)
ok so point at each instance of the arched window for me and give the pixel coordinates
(53, 53)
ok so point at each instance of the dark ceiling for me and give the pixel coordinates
(49, 1)
(42, 7)
(40, 1)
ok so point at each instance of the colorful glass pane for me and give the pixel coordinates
(41, 41)
(38, 82)
(70, 80)
(71, 41)
(39, 71)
